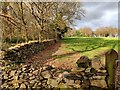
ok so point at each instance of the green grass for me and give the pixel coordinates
(90, 46)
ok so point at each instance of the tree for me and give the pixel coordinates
(24, 21)
(59, 25)
(65, 16)
(86, 31)
(106, 31)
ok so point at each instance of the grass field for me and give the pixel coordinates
(90, 46)
(72, 48)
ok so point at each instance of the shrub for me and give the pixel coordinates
(7, 40)
(14, 40)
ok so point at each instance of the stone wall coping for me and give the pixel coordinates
(30, 42)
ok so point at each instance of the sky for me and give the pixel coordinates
(98, 14)
(60, 0)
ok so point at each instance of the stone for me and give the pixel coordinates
(73, 76)
(101, 74)
(74, 69)
(5, 85)
(40, 77)
(46, 74)
(69, 82)
(10, 80)
(57, 73)
(59, 80)
(88, 70)
(53, 70)
(3, 73)
(26, 83)
(32, 82)
(88, 75)
(99, 77)
(22, 76)
(86, 83)
(15, 77)
(22, 86)
(32, 68)
(30, 75)
(0, 72)
(98, 83)
(21, 81)
(31, 71)
(12, 73)
(44, 81)
(0, 82)
(2, 55)
(8, 72)
(35, 85)
(44, 85)
(65, 73)
(77, 86)
(60, 75)
(27, 71)
(83, 62)
(48, 67)
(77, 69)
(15, 83)
(39, 84)
(19, 72)
(52, 82)
(103, 71)
(96, 63)
(23, 69)
(35, 72)
(63, 85)
(32, 78)
(78, 82)
(5, 76)
(82, 73)
(26, 66)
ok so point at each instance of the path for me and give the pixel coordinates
(55, 55)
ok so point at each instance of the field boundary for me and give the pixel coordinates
(19, 53)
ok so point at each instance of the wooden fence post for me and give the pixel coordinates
(110, 58)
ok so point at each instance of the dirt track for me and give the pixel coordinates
(55, 55)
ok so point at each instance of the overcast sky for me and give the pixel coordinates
(99, 14)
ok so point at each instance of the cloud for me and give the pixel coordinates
(99, 14)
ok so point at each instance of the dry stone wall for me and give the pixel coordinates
(27, 76)
(23, 51)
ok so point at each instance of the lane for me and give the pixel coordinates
(55, 55)
(41, 57)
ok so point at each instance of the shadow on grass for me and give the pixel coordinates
(89, 41)
(74, 52)
(89, 44)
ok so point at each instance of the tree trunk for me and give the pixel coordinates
(59, 36)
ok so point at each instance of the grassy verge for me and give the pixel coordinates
(90, 46)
